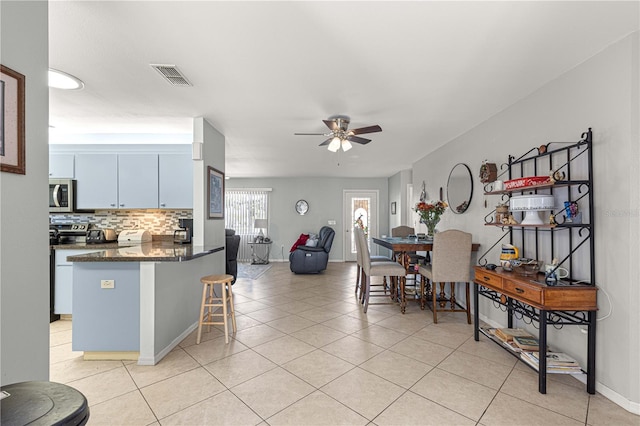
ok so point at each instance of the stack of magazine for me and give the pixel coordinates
(557, 362)
(515, 339)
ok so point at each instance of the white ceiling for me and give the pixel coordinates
(426, 72)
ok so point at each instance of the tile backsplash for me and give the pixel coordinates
(157, 222)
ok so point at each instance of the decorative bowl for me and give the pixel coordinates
(525, 182)
(526, 266)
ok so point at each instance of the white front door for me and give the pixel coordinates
(361, 204)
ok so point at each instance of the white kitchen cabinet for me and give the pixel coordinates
(137, 181)
(175, 181)
(62, 301)
(61, 166)
(97, 181)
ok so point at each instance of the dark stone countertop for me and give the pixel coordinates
(83, 246)
(155, 251)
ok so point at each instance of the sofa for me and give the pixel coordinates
(312, 258)
(232, 244)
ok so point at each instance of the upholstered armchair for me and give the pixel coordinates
(312, 258)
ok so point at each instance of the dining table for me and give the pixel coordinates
(401, 247)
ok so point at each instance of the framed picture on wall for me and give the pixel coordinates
(393, 207)
(215, 193)
(12, 110)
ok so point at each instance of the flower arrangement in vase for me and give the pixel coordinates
(430, 212)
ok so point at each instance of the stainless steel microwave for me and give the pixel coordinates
(62, 195)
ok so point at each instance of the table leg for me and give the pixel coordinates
(403, 299)
(591, 353)
(423, 295)
(476, 314)
(542, 349)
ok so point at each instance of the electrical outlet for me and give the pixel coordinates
(107, 284)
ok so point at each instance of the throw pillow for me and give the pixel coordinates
(302, 239)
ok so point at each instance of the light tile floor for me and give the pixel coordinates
(305, 354)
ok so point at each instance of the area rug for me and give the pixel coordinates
(252, 272)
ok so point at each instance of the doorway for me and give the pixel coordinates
(359, 204)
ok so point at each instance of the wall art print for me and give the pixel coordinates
(215, 193)
(12, 121)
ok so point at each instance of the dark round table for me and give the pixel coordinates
(42, 403)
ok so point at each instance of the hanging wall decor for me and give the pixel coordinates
(215, 193)
(488, 172)
(12, 110)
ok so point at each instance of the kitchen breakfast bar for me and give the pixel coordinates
(138, 302)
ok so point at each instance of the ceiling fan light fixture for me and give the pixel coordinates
(334, 146)
(340, 136)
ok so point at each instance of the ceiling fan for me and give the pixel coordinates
(340, 135)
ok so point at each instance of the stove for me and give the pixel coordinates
(62, 233)
(68, 233)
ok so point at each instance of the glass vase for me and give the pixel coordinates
(431, 224)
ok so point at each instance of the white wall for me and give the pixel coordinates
(207, 232)
(324, 196)
(395, 196)
(24, 255)
(601, 93)
(398, 185)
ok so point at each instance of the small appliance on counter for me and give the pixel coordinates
(134, 236)
(101, 236)
(68, 233)
(185, 233)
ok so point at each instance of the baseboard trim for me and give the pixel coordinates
(616, 398)
(175, 342)
(110, 356)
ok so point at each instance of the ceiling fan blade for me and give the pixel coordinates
(308, 134)
(327, 142)
(361, 130)
(331, 124)
(358, 139)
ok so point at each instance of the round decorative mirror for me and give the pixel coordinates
(459, 188)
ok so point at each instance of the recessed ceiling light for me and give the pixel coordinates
(62, 80)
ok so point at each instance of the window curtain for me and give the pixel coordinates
(242, 208)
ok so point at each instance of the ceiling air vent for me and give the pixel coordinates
(172, 74)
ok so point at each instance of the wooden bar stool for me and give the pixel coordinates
(210, 302)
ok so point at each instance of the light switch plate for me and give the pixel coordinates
(107, 284)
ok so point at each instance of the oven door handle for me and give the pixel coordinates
(56, 195)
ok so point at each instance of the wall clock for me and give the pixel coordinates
(302, 207)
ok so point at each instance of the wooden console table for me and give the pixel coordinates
(528, 296)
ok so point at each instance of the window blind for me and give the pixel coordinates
(242, 208)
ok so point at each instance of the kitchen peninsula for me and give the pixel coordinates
(138, 302)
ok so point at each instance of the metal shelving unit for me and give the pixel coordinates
(572, 243)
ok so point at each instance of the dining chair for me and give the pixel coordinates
(391, 269)
(413, 259)
(404, 231)
(359, 270)
(451, 263)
